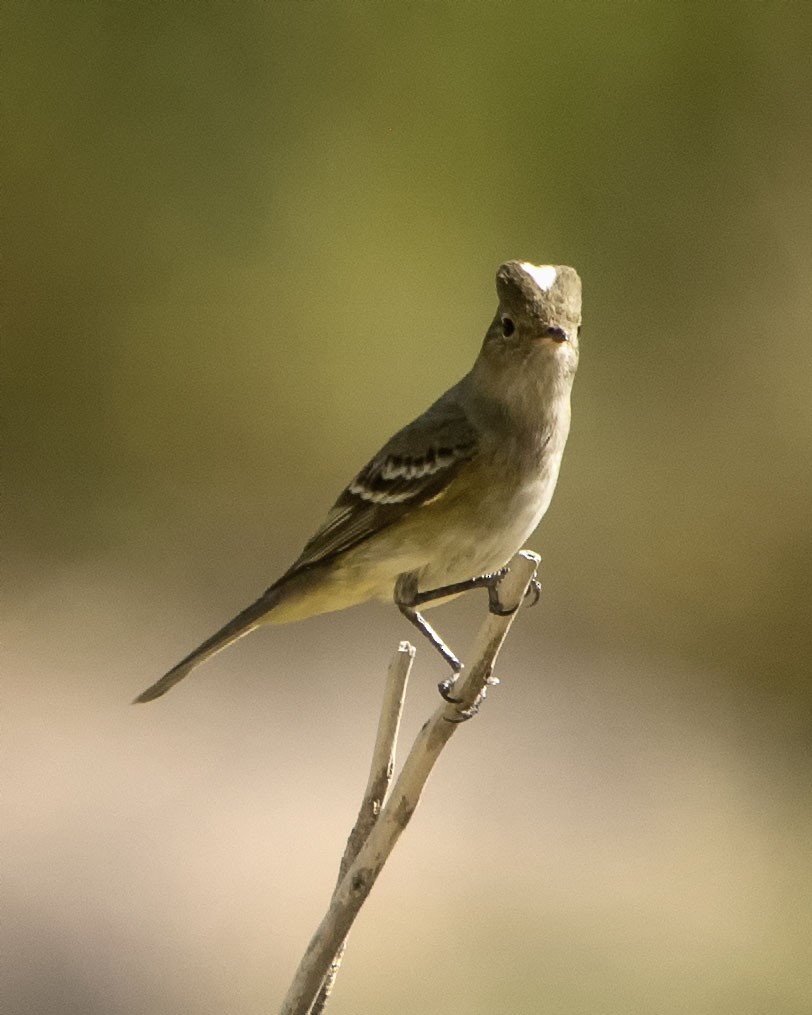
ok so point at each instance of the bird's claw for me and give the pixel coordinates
(491, 581)
(464, 714)
(494, 603)
(444, 687)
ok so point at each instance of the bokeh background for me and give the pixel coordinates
(244, 243)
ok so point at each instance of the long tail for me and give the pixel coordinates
(244, 622)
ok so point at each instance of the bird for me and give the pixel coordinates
(453, 495)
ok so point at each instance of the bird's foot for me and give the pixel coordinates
(464, 714)
(445, 686)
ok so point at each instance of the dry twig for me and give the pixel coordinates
(381, 771)
(373, 852)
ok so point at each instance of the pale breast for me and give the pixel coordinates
(491, 528)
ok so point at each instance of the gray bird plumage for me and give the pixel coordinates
(456, 492)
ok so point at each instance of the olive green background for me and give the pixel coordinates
(245, 242)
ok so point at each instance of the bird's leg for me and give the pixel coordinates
(406, 599)
(491, 582)
(488, 581)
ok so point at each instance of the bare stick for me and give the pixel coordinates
(381, 771)
(357, 883)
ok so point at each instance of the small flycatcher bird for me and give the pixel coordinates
(452, 496)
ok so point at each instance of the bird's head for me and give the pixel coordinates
(537, 322)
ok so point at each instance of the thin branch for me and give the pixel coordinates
(381, 770)
(357, 883)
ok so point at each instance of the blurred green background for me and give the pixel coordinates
(245, 242)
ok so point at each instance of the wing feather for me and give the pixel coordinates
(413, 467)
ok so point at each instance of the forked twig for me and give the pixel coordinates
(381, 770)
(372, 853)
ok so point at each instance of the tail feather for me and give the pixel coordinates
(244, 622)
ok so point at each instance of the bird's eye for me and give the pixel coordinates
(508, 327)
(556, 333)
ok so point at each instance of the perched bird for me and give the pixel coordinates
(452, 496)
